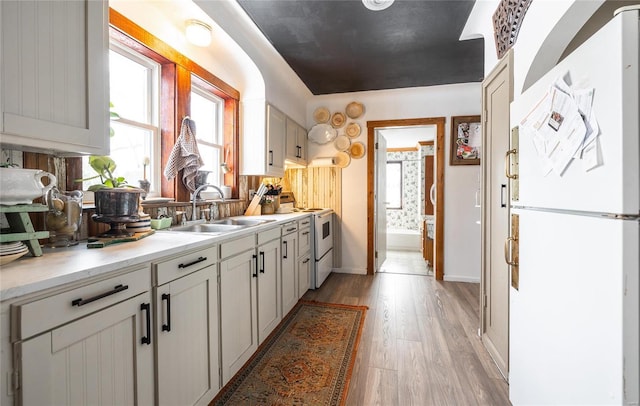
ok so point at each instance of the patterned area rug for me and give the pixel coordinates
(307, 360)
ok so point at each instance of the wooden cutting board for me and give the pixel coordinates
(101, 242)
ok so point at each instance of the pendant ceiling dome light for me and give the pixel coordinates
(377, 5)
(198, 33)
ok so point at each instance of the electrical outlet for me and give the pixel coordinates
(252, 192)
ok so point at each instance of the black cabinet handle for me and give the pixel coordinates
(146, 307)
(305, 233)
(167, 297)
(270, 158)
(255, 258)
(286, 250)
(305, 261)
(81, 302)
(503, 187)
(299, 148)
(291, 229)
(262, 260)
(197, 261)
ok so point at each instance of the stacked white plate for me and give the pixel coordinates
(10, 251)
(140, 226)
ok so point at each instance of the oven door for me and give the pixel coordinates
(324, 234)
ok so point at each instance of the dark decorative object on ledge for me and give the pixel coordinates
(117, 206)
(507, 20)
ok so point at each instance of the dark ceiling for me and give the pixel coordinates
(338, 46)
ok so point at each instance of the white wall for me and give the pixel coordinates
(462, 234)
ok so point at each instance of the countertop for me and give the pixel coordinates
(59, 266)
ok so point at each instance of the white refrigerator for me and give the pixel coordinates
(574, 318)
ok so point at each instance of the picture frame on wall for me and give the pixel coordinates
(466, 140)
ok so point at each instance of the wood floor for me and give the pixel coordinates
(407, 262)
(420, 344)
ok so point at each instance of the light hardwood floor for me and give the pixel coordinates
(419, 345)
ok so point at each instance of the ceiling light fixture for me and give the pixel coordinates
(377, 5)
(198, 33)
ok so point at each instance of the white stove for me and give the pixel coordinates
(323, 227)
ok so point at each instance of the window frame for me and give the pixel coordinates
(177, 74)
(203, 92)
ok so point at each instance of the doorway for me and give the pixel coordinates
(372, 198)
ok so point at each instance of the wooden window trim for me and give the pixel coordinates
(175, 97)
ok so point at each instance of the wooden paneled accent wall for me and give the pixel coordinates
(315, 187)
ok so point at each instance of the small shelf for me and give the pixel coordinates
(21, 228)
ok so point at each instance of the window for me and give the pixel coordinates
(394, 185)
(134, 88)
(207, 112)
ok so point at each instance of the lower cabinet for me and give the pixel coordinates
(289, 272)
(187, 339)
(100, 350)
(238, 324)
(304, 274)
(268, 289)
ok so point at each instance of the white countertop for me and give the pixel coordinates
(58, 266)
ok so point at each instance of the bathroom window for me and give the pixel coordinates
(134, 81)
(207, 111)
(394, 185)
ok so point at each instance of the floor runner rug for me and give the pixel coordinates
(307, 360)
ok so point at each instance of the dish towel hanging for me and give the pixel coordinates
(185, 156)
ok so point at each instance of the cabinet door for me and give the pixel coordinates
(104, 358)
(289, 270)
(304, 275)
(187, 337)
(276, 130)
(302, 145)
(54, 78)
(291, 144)
(238, 276)
(268, 288)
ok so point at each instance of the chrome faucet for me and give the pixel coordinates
(195, 196)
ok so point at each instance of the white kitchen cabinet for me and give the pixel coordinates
(276, 130)
(269, 270)
(238, 298)
(296, 142)
(289, 267)
(54, 76)
(304, 274)
(186, 314)
(99, 351)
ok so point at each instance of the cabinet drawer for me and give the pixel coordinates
(305, 222)
(304, 240)
(231, 248)
(268, 235)
(289, 228)
(169, 270)
(44, 314)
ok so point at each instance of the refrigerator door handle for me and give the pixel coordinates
(507, 162)
(507, 251)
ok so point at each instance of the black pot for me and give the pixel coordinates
(117, 202)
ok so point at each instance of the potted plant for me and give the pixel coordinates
(114, 198)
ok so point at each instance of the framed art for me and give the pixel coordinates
(466, 140)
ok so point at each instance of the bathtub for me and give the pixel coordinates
(403, 240)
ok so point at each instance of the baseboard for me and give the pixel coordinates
(454, 278)
(355, 271)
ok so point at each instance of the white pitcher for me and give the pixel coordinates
(21, 186)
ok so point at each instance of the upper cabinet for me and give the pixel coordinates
(296, 143)
(54, 76)
(263, 140)
(276, 129)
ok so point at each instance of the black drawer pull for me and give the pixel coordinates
(146, 307)
(167, 326)
(305, 233)
(81, 302)
(255, 258)
(291, 229)
(305, 261)
(262, 260)
(197, 261)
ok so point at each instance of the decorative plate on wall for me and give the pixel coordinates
(321, 115)
(342, 159)
(354, 109)
(357, 150)
(322, 133)
(337, 120)
(342, 142)
(353, 130)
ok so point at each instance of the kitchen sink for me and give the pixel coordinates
(236, 221)
(208, 228)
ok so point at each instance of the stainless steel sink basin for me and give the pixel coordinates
(208, 228)
(237, 221)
